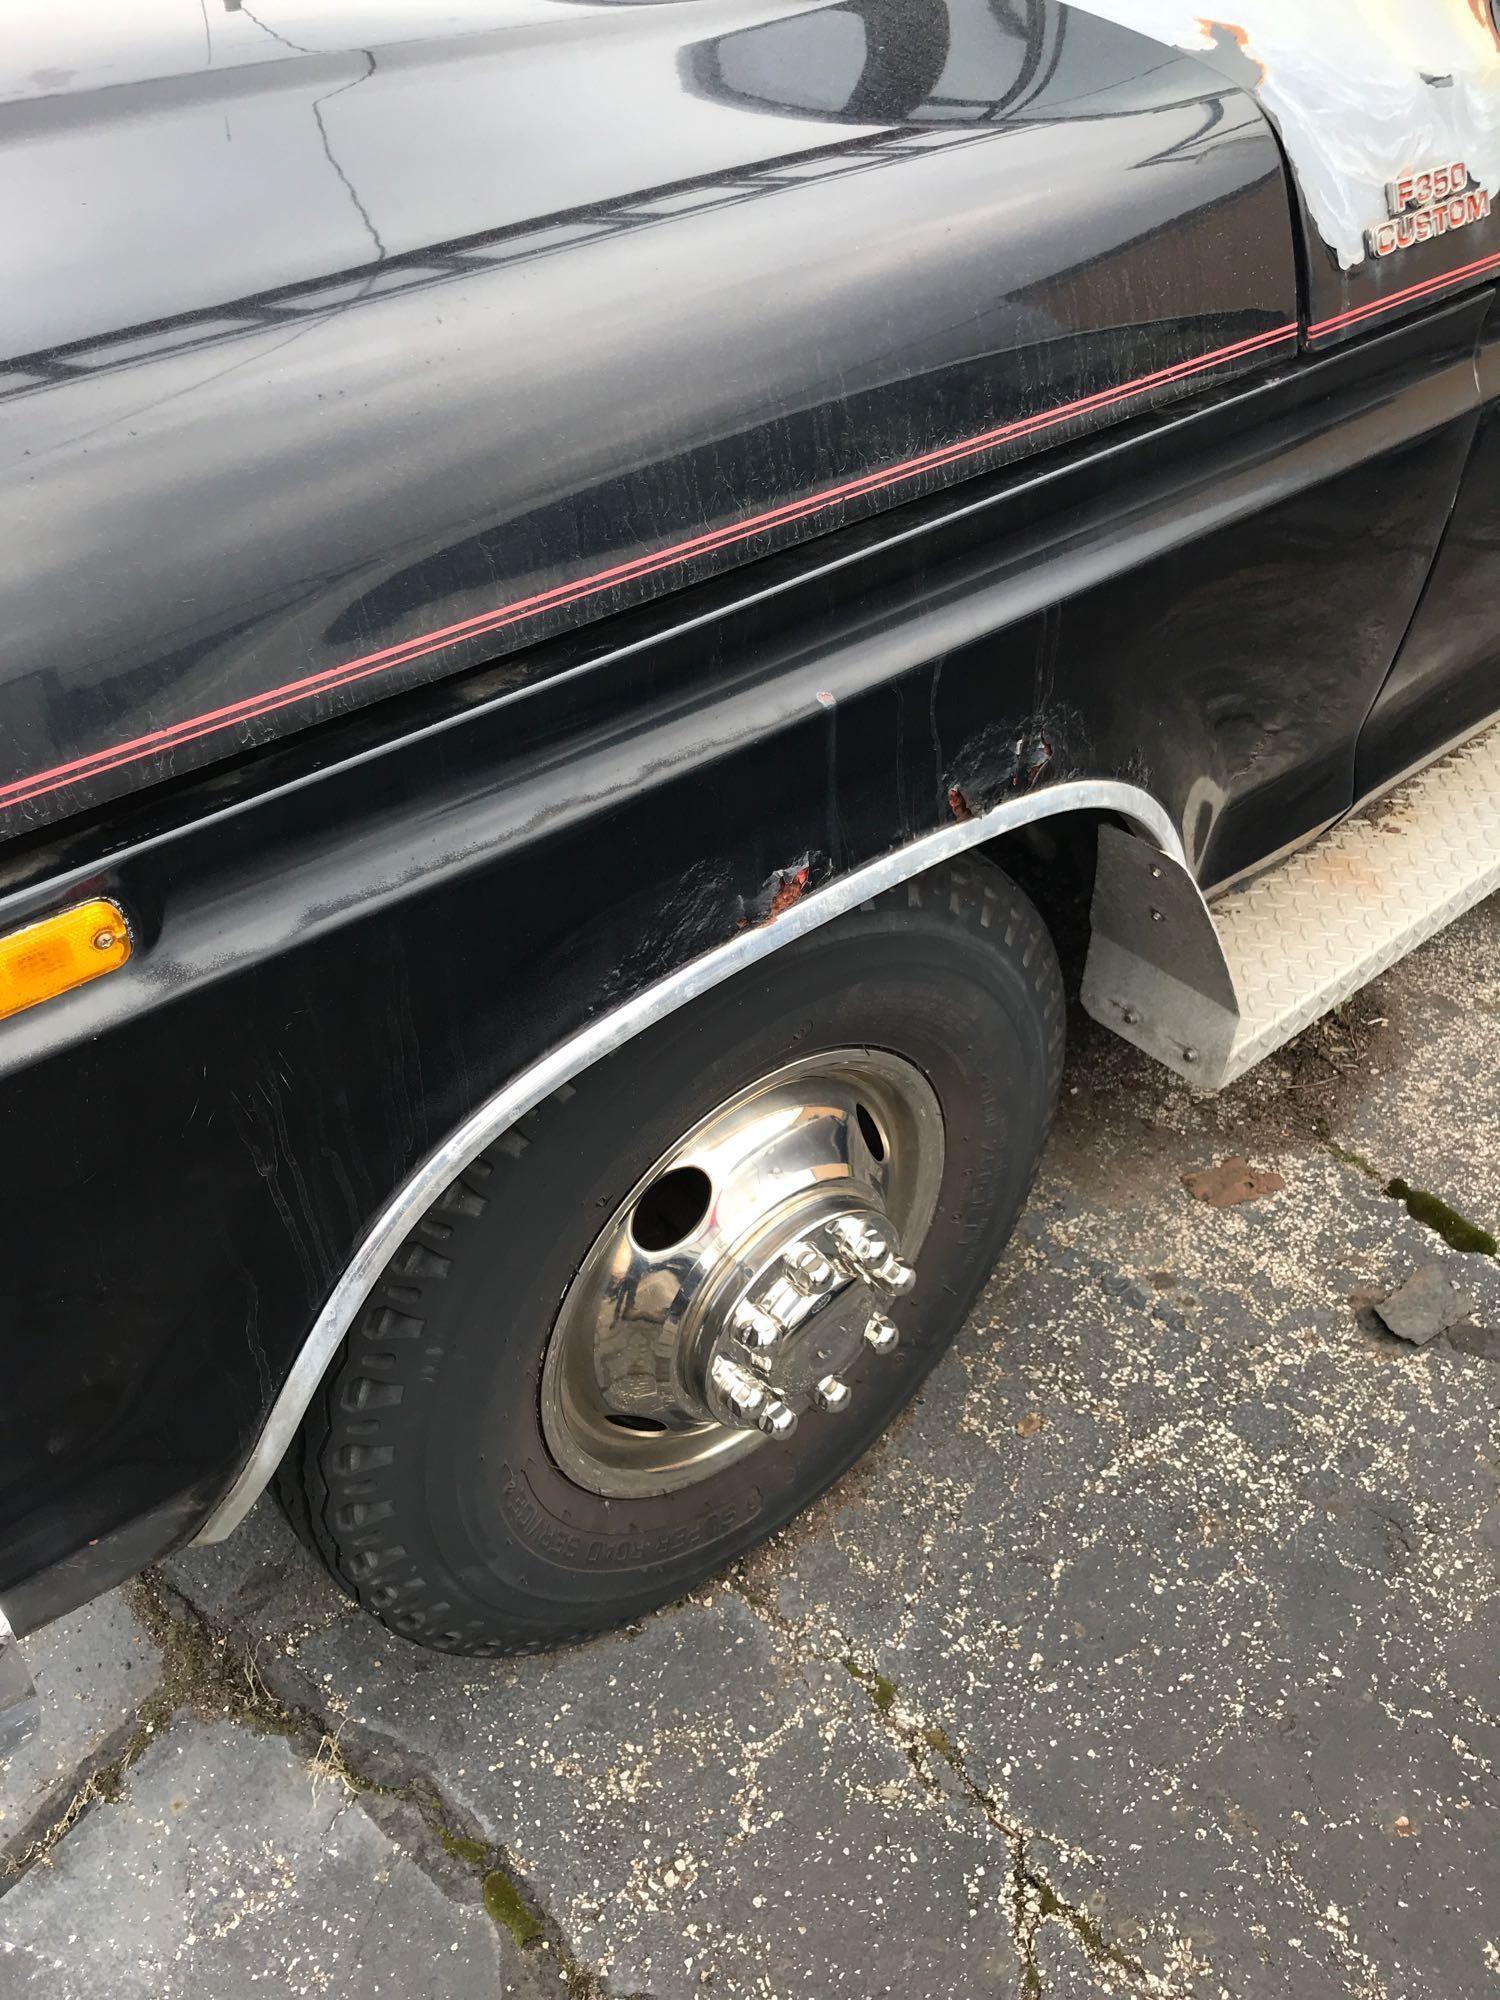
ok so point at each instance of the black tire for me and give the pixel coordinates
(421, 1474)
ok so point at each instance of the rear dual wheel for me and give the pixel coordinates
(671, 1306)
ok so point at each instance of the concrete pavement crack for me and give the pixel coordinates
(213, 1674)
(1032, 1900)
(186, 1666)
(96, 1777)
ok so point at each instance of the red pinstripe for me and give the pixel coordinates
(1422, 291)
(192, 728)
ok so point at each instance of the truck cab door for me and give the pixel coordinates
(1388, 113)
(1446, 680)
(1398, 182)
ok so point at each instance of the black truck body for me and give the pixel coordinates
(490, 519)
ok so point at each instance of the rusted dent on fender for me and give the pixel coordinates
(790, 889)
(702, 910)
(998, 761)
(784, 888)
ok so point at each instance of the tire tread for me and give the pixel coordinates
(351, 1523)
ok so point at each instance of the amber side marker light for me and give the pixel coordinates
(60, 953)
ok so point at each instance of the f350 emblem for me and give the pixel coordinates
(1426, 205)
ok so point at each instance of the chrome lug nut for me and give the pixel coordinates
(755, 1326)
(866, 1254)
(746, 1398)
(808, 1269)
(831, 1394)
(881, 1335)
(857, 1241)
(777, 1420)
(893, 1276)
(752, 1405)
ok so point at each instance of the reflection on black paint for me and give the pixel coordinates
(888, 228)
(317, 112)
(886, 62)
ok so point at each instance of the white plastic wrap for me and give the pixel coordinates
(1362, 91)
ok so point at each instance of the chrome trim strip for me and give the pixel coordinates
(610, 1032)
(20, 1705)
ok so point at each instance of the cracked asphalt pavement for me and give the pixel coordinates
(1153, 1653)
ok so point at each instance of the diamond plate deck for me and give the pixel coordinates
(1299, 938)
(1311, 931)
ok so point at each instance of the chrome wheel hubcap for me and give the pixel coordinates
(744, 1281)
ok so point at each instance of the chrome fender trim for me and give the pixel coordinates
(611, 1031)
(20, 1706)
